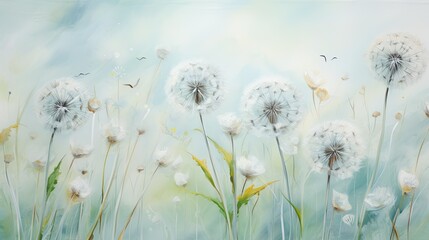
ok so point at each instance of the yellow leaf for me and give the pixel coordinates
(5, 133)
(249, 193)
(202, 164)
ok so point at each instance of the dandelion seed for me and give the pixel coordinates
(336, 147)
(322, 94)
(140, 168)
(162, 157)
(195, 86)
(314, 79)
(250, 167)
(397, 59)
(272, 106)
(340, 202)
(114, 133)
(407, 181)
(93, 105)
(79, 150)
(162, 53)
(376, 114)
(79, 190)
(181, 179)
(398, 116)
(348, 219)
(381, 197)
(62, 104)
(230, 123)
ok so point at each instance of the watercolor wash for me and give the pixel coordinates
(154, 144)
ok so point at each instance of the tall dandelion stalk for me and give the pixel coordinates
(61, 107)
(398, 60)
(196, 86)
(335, 147)
(272, 107)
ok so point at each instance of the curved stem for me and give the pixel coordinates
(326, 204)
(396, 215)
(377, 160)
(40, 234)
(33, 215)
(289, 195)
(234, 190)
(219, 189)
(102, 180)
(14, 201)
(63, 218)
(244, 185)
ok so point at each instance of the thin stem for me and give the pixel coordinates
(33, 215)
(14, 201)
(234, 190)
(314, 102)
(118, 202)
(152, 80)
(389, 152)
(92, 129)
(282, 224)
(396, 215)
(244, 185)
(219, 189)
(326, 204)
(330, 223)
(121, 234)
(366, 110)
(102, 179)
(63, 218)
(377, 160)
(45, 191)
(285, 174)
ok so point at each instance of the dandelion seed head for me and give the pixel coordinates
(407, 181)
(162, 156)
(62, 104)
(80, 150)
(340, 202)
(272, 106)
(114, 133)
(379, 198)
(397, 59)
(250, 166)
(181, 179)
(337, 148)
(79, 190)
(195, 86)
(230, 123)
(94, 104)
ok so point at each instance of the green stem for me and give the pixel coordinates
(328, 187)
(45, 190)
(14, 201)
(396, 215)
(218, 187)
(234, 190)
(244, 185)
(102, 179)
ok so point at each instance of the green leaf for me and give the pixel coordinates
(298, 214)
(249, 193)
(227, 156)
(202, 164)
(213, 200)
(53, 179)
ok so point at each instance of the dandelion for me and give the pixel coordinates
(177, 162)
(195, 86)
(230, 123)
(314, 79)
(39, 164)
(340, 201)
(250, 167)
(181, 179)
(381, 197)
(162, 53)
(335, 147)
(62, 104)
(80, 150)
(272, 106)
(322, 94)
(162, 156)
(114, 133)
(79, 190)
(397, 59)
(94, 104)
(407, 181)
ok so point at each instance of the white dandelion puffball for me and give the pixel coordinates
(337, 148)
(272, 106)
(162, 156)
(380, 198)
(397, 59)
(250, 166)
(62, 104)
(230, 123)
(407, 181)
(79, 190)
(114, 133)
(340, 201)
(80, 150)
(181, 179)
(195, 86)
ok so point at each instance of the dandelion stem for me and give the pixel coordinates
(389, 152)
(219, 189)
(45, 190)
(155, 73)
(102, 178)
(396, 215)
(314, 102)
(63, 218)
(121, 234)
(328, 186)
(377, 160)
(244, 185)
(285, 174)
(92, 129)
(14, 201)
(282, 224)
(118, 202)
(234, 190)
(33, 215)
